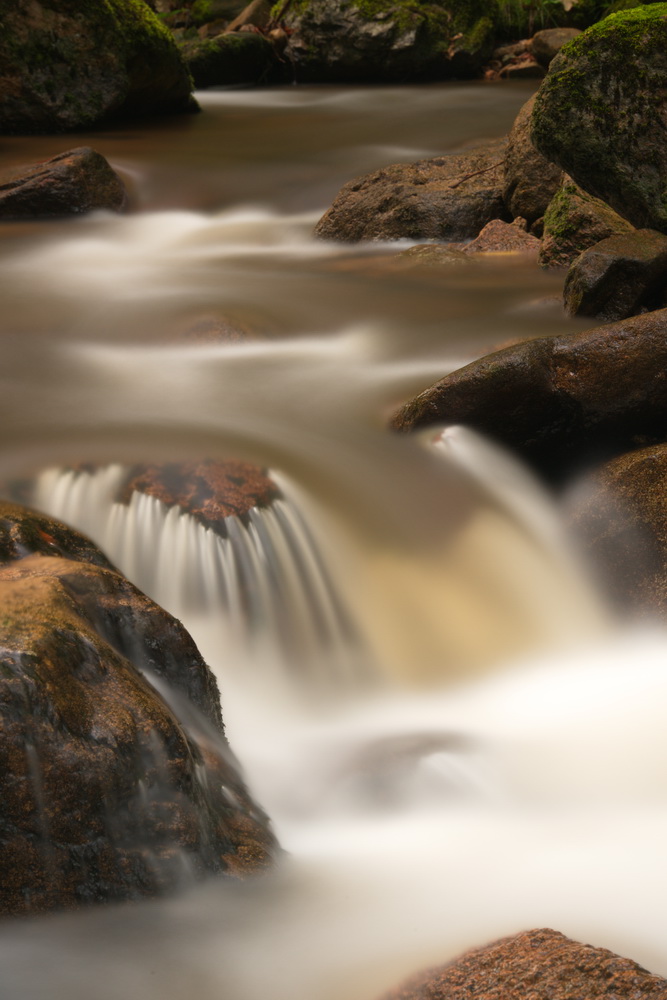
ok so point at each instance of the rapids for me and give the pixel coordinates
(454, 739)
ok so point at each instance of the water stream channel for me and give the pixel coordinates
(466, 744)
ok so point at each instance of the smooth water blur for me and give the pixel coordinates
(437, 809)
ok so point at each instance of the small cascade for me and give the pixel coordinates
(258, 593)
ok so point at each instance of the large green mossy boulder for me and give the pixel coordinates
(381, 40)
(237, 58)
(67, 64)
(601, 113)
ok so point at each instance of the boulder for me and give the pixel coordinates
(70, 64)
(535, 965)
(116, 780)
(600, 113)
(449, 198)
(386, 40)
(619, 277)
(209, 490)
(240, 57)
(560, 402)
(530, 180)
(545, 45)
(71, 183)
(575, 221)
(619, 513)
(503, 237)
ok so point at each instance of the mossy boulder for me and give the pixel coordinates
(387, 40)
(243, 57)
(575, 221)
(116, 780)
(448, 198)
(600, 113)
(530, 179)
(68, 64)
(560, 402)
(619, 276)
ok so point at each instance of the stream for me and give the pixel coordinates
(466, 744)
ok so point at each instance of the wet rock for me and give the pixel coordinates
(210, 491)
(535, 965)
(524, 69)
(74, 182)
(545, 45)
(503, 237)
(239, 57)
(257, 14)
(27, 532)
(530, 180)
(113, 787)
(619, 513)
(619, 277)
(433, 255)
(68, 66)
(600, 113)
(574, 222)
(449, 198)
(338, 41)
(560, 402)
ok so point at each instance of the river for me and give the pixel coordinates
(488, 753)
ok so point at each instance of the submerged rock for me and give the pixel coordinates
(535, 965)
(560, 401)
(209, 490)
(530, 180)
(71, 183)
(111, 787)
(575, 221)
(71, 65)
(386, 40)
(619, 513)
(600, 113)
(619, 277)
(449, 198)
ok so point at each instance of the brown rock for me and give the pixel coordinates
(535, 965)
(210, 491)
(523, 69)
(560, 401)
(575, 221)
(545, 45)
(503, 237)
(530, 180)
(432, 255)
(25, 532)
(111, 786)
(620, 515)
(449, 198)
(619, 276)
(77, 181)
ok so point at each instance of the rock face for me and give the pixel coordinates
(449, 198)
(386, 40)
(74, 182)
(530, 180)
(620, 516)
(600, 113)
(545, 45)
(109, 790)
(535, 965)
(619, 276)
(575, 221)
(560, 401)
(69, 64)
(242, 57)
(210, 491)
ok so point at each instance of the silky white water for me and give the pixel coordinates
(504, 767)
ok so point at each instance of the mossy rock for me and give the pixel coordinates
(381, 40)
(71, 64)
(237, 58)
(600, 113)
(575, 221)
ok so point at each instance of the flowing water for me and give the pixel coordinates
(453, 738)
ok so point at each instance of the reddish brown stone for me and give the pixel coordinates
(503, 237)
(209, 491)
(535, 965)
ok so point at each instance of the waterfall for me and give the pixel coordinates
(257, 590)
